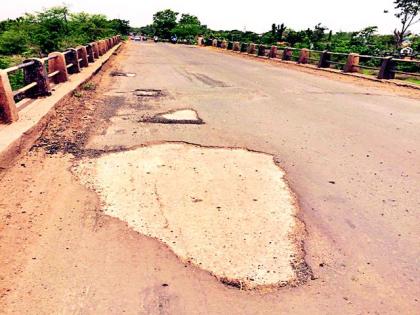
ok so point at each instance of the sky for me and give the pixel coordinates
(257, 16)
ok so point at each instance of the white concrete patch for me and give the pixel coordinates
(183, 114)
(229, 211)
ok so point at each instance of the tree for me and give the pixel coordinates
(189, 27)
(164, 22)
(407, 12)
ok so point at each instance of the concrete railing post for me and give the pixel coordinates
(352, 64)
(90, 55)
(224, 44)
(236, 46)
(71, 58)
(100, 47)
(273, 52)
(95, 48)
(261, 50)
(387, 69)
(287, 54)
(36, 73)
(214, 43)
(57, 62)
(244, 47)
(251, 49)
(303, 56)
(324, 59)
(8, 108)
(82, 56)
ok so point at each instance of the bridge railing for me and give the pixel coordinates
(39, 74)
(382, 67)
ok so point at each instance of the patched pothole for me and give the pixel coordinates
(228, 211)
(148, 92)
(122, 74)
(180, 116)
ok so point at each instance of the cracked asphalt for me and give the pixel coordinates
(350, 150)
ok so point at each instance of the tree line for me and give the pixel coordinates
(365, 41)
(53, 29)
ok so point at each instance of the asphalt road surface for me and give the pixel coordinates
(350, 150)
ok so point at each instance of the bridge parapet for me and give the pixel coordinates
(384, 68)
(39, 74)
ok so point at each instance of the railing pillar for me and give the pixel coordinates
(251, 49)
(287, 54)
(36, 73)
(100, 47)
(244, 47)
(95, 48)
(303, 56)
(7, 103)
(261, 50)
(71, 57)
(273, 52)
(236, 46)
(352, 64)
(214, 43)
(82, 54)
(387, 69)
(324, 59)
(90, 54)
(57, 62)
(223, 44)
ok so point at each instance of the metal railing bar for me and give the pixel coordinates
(23, 65)
(69, 65)
(52, 74)
(25, 88)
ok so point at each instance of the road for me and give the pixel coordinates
(350, 150)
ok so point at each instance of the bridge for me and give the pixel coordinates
(185, 179)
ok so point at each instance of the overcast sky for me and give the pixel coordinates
(251, 15)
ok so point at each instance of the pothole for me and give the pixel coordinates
(181, 116)
(148, 92)
(228, 211)
(122, 74)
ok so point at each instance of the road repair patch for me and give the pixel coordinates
(148, 92)
(181, 116)
(228, 211)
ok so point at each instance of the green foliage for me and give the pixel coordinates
(407, 12)
(164, 22)
(55, 29)
(188, 27)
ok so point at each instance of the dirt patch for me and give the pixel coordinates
(180, 116)
(228, 211)
(75, 119)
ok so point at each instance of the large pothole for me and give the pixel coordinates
(228, 211)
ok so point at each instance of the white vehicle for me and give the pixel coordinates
(137, 38)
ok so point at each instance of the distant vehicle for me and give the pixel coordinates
(137, 38)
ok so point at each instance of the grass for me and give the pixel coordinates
(89, 86)
(413, 80)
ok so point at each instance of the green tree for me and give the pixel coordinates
(407, 12)
(189, 26)
(164, 22)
